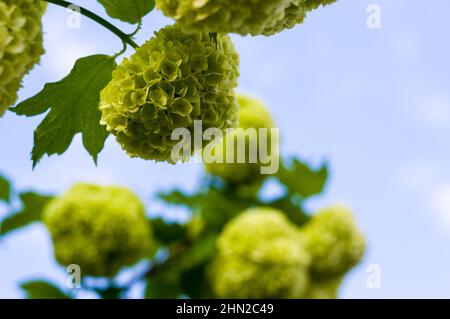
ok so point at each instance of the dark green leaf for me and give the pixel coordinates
(163, 285)
(73, 104)
(41, 289)
(217, 207)
(131, 11)
(110, 293)
(194, 282)
(33, 205)
(165, 280)
(5, 189)
(167, 233)
(180, 198)
(200, 251)
(291, 210)
(300, 179)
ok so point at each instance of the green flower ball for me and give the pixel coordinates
(255, 17)
(314, 4)
(171, 81)
(324, 289)
(20, 45)
(101, 229)
(334, 242)
(252, 114)
(260, 254)
(237, 16)
(295, 14)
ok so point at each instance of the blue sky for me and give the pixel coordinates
(375, 103)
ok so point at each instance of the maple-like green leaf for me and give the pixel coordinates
(73, 104)
(166, 232)
(32, 206)
(5, 189)
(301, 179)
(131, 11)
(40, 289)
(216, 206)
(163, 285)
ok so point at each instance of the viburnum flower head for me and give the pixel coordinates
(20, 45)
(252, 114)
(101, 229)
(314, 4)
(171, 81)
(246, 17)
(324, 289)
(260, 254)
(334, 242)
(294, 14)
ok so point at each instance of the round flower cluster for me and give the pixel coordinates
(237, 16)
(314, 4)
(334, 242)
(260, 255)
(294, 14)
(252, 114)
(245, 17)
(101, 229)
(171, 81)
(324, 289)
(20, 45)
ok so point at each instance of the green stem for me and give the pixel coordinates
(123, 36)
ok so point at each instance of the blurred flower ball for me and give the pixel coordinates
(260, 255)
(334, 242)
(324, 289)
(252, 114)
(170, 81)
(255, 17)
(20, 45)
(101, 229)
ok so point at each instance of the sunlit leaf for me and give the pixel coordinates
(40, 289)
(33, 205)
(131, 11)
(73, 104)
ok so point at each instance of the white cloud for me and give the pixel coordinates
(434, 110)
(439, 203)
(429, 183)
